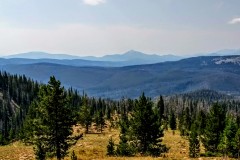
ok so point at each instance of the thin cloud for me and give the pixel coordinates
(234, 21)
(94, 2)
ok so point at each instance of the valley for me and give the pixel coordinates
(166, 78)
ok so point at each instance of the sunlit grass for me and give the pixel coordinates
(93, 147)
(16, 151)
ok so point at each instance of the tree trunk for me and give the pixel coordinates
(58, 152)
(86, 128)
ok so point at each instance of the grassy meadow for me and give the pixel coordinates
(93, 147)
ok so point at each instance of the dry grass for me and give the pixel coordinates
(93, 147)
(16, 151)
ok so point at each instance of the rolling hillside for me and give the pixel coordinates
(217, 73)
(70, 62)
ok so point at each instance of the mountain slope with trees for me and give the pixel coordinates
(44, 115)
(215, 73)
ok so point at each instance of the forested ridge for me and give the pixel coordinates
(17, 96)
(42, 115)
(220, 73)
(17, 93)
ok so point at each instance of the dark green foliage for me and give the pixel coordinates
(187, 119)
(125, 148)
(108, 113)
(124, 124)
(111, 147)
(85, 117)
(230, 132)
(160, 106)
(172, 121)
(228, 143)
(223, 145)
(2, 141)
(16, 94)
(210, 120)
(142, 133)
(40, 151)
(145, 128)
(181, 126)
(206, 94)
(100, 121)
(160, 111)
(54, 119)
(194, 143)
(73, 156)
(237, 141)
(214, 127)
(185, 122)
(201, 122)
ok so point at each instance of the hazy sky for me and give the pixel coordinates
(98, 27)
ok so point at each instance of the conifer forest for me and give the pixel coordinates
(45, 117)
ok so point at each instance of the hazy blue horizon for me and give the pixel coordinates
(103, 27)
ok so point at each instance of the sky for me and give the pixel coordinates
(100, 27)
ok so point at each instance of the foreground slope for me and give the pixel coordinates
(216, 73)
(93, 146)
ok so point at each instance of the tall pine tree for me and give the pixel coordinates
(54, 119)
(194, 143)
(160, 106)
(172, 121)
(85, 117)
(214, 128)
(145, 128)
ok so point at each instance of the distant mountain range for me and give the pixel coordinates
(118, 60)
(220, 73)
(129, 58)
(41, 55)
(135, 57)
(224, 52)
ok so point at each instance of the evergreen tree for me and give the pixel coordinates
(124, 148)
(145, 128)
(194, 144)
(181, 125)
(31, 124)
(100, 121)
(160, 106)
(173, 123)
(214, 128)
(110, 147)
(201, 122)
(17, 92)
(109, 113)
(54, 120)
(228, 144)
(85, 117)
(185, 122)
(40, 151)
(223, 145)
(237, 142)
(187, 119)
